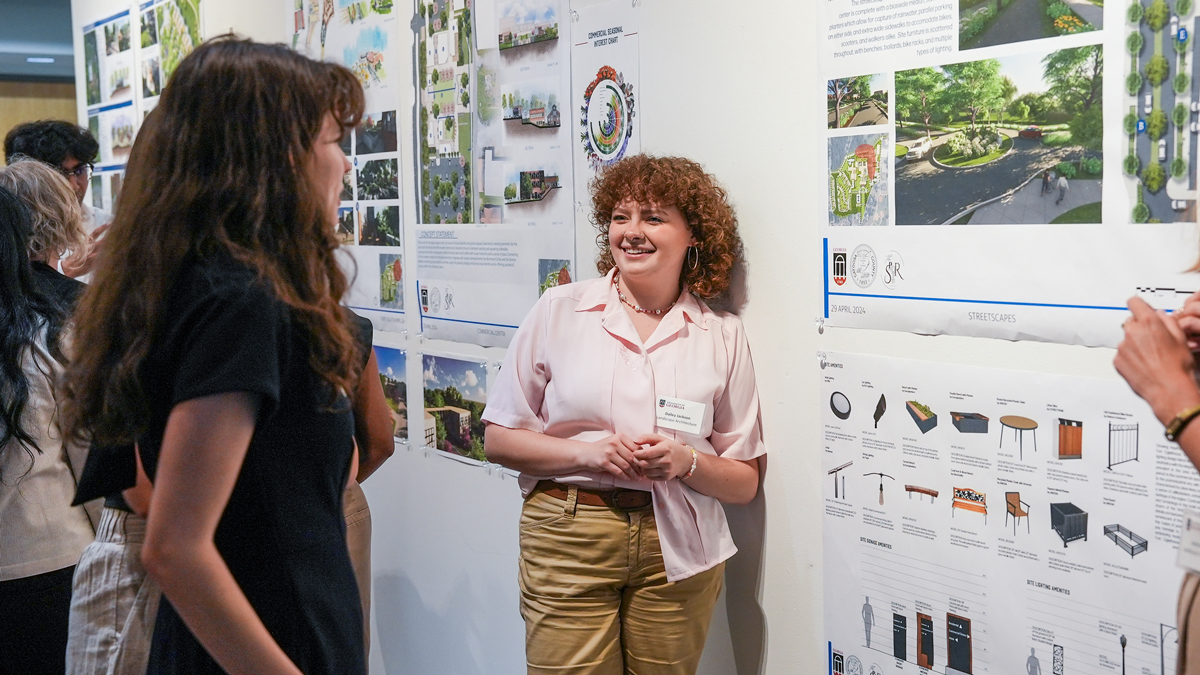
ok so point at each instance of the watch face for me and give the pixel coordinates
(853, 666)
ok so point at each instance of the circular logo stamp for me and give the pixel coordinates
(607, 117)
(863, 266)
(853, 666)
(893, 269)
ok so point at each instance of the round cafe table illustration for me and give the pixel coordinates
(1019, 425)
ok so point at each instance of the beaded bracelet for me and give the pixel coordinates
(695, 461)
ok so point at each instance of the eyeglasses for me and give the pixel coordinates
(81, 171)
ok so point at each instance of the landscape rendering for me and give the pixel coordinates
(979, 142)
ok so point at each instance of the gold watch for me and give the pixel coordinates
(1176, 426)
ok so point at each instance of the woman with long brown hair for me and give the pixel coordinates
(212, 338)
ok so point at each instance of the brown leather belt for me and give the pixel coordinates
(621, 499)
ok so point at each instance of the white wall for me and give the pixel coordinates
(736, 87)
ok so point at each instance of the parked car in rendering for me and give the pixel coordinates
(1195, 106)
(1179, 204)
(1174, 26)
(1162, 149)
(1149, 103)
(1031, 131)
(1195, 127)
(918, 149)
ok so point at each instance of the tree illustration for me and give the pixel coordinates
(1076, 77)
(918, 94)
(973, 87)
(841, 88)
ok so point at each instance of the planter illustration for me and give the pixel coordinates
(922, 415)
(969, 423)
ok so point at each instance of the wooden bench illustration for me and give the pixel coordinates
(922, 490)
(970, 500)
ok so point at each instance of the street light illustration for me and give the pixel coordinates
(834, 472)
(881, 477)
(880, 408)
(1123, 643)
(1163, 631)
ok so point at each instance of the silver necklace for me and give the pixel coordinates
(655, 312)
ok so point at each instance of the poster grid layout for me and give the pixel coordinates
(986, 521)
(1051, 144)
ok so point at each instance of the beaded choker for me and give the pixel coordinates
(655, 312)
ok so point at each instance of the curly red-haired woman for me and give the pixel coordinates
(631, 410)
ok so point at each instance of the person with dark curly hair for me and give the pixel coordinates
(70, 149)
(631, 410)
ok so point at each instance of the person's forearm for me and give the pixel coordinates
(728, 480)
(1171, 401)
(532, 452)
(200, 587)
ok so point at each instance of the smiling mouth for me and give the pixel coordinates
(636, 252)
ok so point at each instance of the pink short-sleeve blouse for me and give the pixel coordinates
(577, 369)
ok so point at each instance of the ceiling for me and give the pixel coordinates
(37, 29)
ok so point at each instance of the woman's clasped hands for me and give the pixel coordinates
(646, 456)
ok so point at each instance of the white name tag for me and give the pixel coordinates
(1189, 542)
(681, 415)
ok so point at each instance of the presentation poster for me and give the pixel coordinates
(982, 177)
(455, 395)
(605, 62)
(493, 151)
(362, 36)
(996, 521)
(169, 31)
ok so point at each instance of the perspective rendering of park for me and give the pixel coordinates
(1161, 102)
(1031, 113)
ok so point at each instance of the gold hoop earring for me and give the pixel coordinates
(693, 261)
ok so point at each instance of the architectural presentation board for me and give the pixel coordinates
(1088, 557)
(364, 36)
(983, 180)
(492, 173)
(129, 51)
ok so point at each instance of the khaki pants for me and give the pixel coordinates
(595, 595)
(358, 541)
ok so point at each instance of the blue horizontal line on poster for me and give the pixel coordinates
(148, 5)
(474, 323)
(109, 168)
(106, 108)
(101, 22)
(978, 302)
(376, 309)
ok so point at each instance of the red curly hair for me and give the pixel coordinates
(682, 183)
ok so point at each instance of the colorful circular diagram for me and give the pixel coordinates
(608, 112)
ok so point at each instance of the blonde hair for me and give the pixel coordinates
(57, 217)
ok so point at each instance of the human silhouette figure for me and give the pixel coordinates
(1032, 665)
(868, 616)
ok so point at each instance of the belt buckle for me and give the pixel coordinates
(629, 500)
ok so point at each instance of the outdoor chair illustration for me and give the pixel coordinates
(970, 500)
(1013, 506)
(923, 491)
(1122, 444)
(1132, 543)
(1069, 521)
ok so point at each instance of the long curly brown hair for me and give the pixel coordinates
(219, 168)
(682, 183)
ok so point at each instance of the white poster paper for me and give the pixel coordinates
(494, 156)
(605, 62)
(1057, 146)
(985, 521)
(363, 37)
